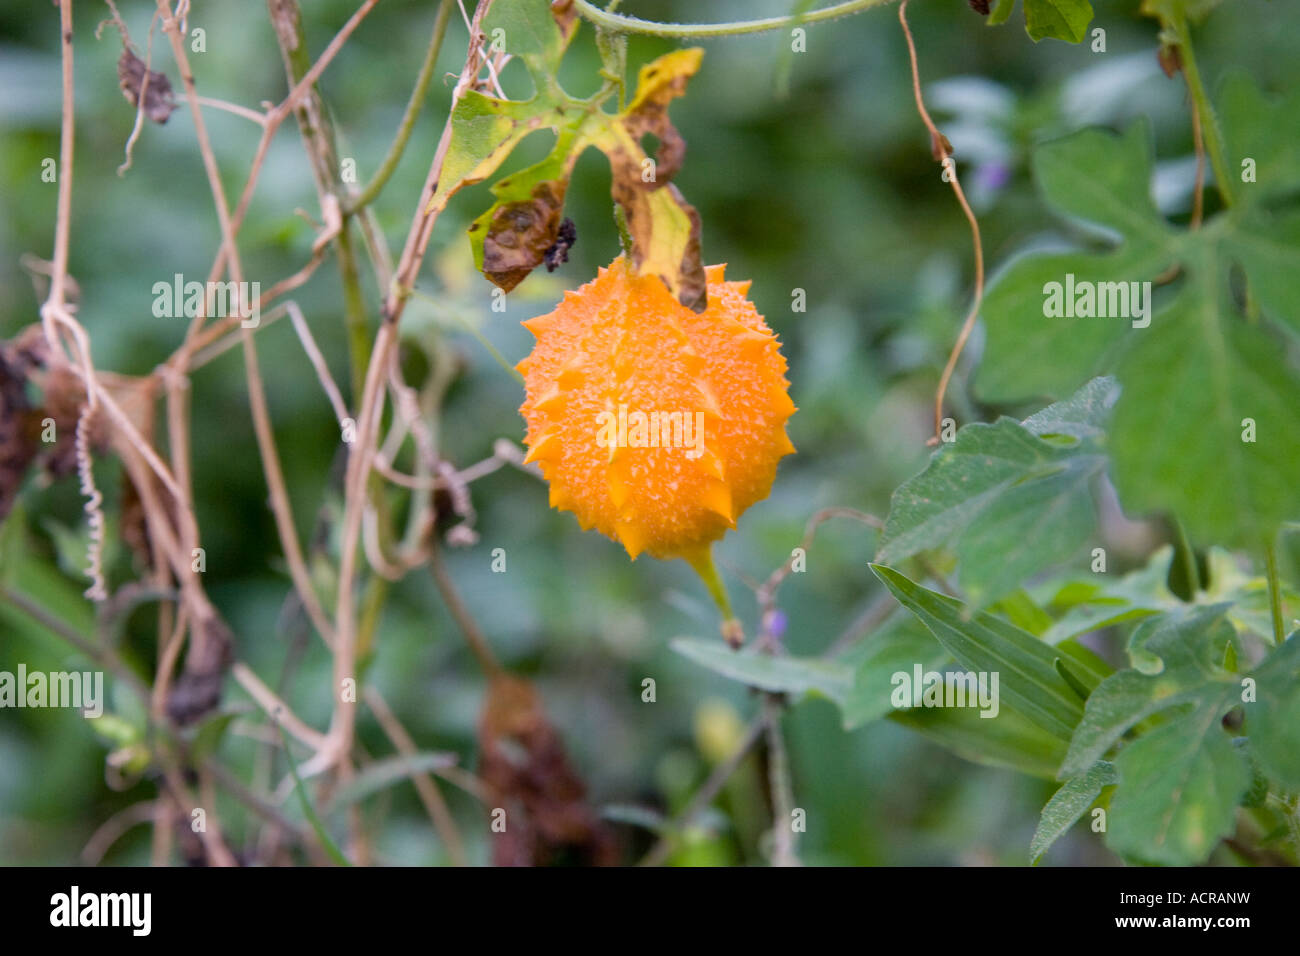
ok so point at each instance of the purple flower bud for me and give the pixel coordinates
(777, 624)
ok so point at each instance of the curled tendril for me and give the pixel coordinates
(94, 507)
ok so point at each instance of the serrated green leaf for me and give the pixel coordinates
(1104, 179)
(1181, 778)
(1193, 456)
(1048, 19)
(1260, 129)
(1257, 793)
(1006, 500)
(1028, 356)
(1176, 660)
(1268, 250)
(1273, 718)
(1179, 788)
(790, 675)
(1068, 804)
(1057, 19)
(1083, 415)
(980, 642)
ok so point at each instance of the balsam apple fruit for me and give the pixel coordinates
(620, 379)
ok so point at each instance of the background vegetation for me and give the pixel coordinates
(829, 188)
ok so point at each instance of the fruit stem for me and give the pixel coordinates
(702, 562)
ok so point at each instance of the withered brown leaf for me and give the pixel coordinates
(158, 99)
(197, 690)
(524, 763)
(520, 233)
(18, 444)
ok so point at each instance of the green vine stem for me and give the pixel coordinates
(1181, 34)
(702, 562)
(621, 23)
(1274, 591)
(418, 93)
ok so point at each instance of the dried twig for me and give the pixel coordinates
(434, 802)
(942, 150)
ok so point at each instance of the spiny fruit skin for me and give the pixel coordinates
(622, 345)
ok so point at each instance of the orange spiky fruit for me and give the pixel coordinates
(656, 425)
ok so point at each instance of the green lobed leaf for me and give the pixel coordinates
(1268, 250)
(1177, 659)
(1057, 19)
(1192, 457)
(1273, 718)
(1260, 129)
(1104, 179)
(484, 131)
(532, 32)
(1008, 501)
(1179, 788)
(1048, 19)
(1030, 357)
(1196, 457)
(1181, 779)
(519, 231)
(1083, 415)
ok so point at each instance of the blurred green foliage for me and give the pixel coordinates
(830, 189)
